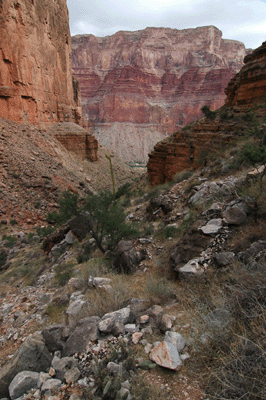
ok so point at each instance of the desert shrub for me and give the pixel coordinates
(10, 240)
(249, 117)
(85, 253)
(63, 273)
(181, 176)
(13, 222)
(161, 288)
(123, 190)
(170, 231)
(208, 113)
(102, 301)
(148, 230)
(3, 257)
(45, 231)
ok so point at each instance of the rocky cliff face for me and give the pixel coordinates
(247, 90)
(35, 63)
(249, 86)
(143, 85)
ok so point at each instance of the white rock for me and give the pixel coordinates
(176, 339)
(136, 336)
(122, 315)
(166, 355)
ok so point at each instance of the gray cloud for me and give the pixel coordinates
(243, 20)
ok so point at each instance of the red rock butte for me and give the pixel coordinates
(181, 151)
(137, 87)
(36, 83)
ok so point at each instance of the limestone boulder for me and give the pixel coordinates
(234, 216)
(23, 381)
(128, 257)
(33, 355)
(166, 355)
(86, 331)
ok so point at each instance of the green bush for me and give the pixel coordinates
(208, 113)
(68, 208)
(108, 224)
(63, 273)
(11, 240)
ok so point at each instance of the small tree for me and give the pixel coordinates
(107, 221)
(68, 208)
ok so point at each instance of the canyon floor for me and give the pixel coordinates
(196, 273)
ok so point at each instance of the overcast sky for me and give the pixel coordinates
(243, 20)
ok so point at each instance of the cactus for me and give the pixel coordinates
(107, 387)
(145, 393)
(147, 365)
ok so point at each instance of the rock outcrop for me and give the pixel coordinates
(36, 82)
(77, 139)
(136, 87)
(249, 85)
(185, 148)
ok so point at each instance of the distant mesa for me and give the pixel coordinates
(138, 87)
(182, 150)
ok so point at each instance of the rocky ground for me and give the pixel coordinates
(148, 334)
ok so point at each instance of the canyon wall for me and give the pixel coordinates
(183, 150)
(36, 82)
(137, 87)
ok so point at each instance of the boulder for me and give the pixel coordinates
(224, 258)
(252, 252)
(190, 270)
(128, 257)
(118, 328)
(213, 227)
(106, 325)
(23, 381)
(77, 310)
(86, 330)
(53, 337)
(72, 375)
(155, 314)
(176, 339)
(234, 216)
(166, 355)
(166, 323)
(190, 246)
(33, 355)
(62, 365)
(51, 386)
(124, 315)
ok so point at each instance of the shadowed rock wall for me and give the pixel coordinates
(35, 63)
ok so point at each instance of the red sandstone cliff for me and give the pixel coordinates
(181, 151)
(136, 87)
(35, 63)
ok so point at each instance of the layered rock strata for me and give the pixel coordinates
(136, 87)
(184, 148)
(36, 83)
(249, 85)
(74, 138)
